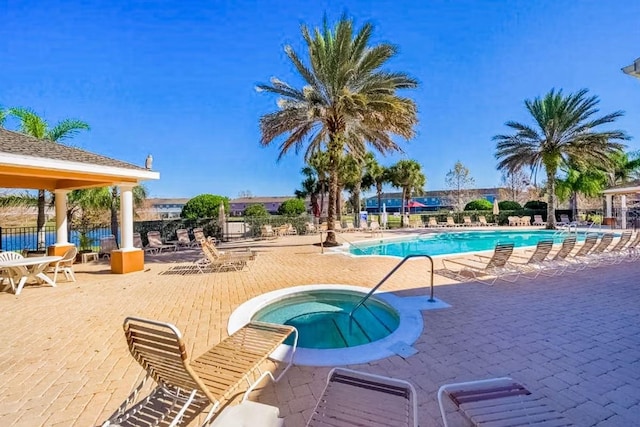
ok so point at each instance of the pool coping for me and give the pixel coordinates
(409, 329)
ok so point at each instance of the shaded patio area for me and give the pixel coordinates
(573, 338)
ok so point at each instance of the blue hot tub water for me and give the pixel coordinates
(322, 318)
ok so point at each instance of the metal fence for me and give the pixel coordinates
(20, 238)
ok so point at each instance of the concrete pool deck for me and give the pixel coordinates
(574, 338)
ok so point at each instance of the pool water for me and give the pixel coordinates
(456, 242)
(322, 318)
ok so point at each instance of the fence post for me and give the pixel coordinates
(0, 238)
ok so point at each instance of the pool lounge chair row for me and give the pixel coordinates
(506, 265)
(184, 388)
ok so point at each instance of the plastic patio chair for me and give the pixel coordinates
(65, 265)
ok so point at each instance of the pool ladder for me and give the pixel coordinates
(385, 278)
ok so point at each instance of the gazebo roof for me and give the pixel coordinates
(627, 187)
(28, 162)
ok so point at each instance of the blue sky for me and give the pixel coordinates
(177, 78)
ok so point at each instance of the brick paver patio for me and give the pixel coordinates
(574, 338)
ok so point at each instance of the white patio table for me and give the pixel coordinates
(21, 270)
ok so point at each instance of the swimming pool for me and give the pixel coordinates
(322, 318)
(454, 242)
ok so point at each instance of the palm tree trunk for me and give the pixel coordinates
(114, 213)
(41, 220)
(551, 199)
(574, 206)
(334, 159)
(404, 193)
(379, 191)
(356, 204)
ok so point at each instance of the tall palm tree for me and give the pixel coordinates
(36, 126)
(109, 198)
(407, 175)
(565, 134)
(624, 167)
(347, 102)
(378, 175)
(316, 181)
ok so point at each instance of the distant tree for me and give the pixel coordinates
(589, 181)
(204, 206)
(378, 175)
(509, 205)
(349, 100)
(624, 167)
(36, 126)
(3, 115)
(479, 205)
(256, 211)
(517, 183)
(245, 194)
(564, 131)
(407, 175)
(292, 207)
(459, 180)
(316, 182)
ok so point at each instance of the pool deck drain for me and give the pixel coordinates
(403, 350)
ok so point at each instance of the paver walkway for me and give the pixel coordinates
(574, 338)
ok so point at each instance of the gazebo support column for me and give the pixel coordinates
(608, 216)
(127, 259)
(623, 211)
(62, 244)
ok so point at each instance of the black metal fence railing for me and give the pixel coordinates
(20, 238)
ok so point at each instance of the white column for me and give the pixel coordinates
(126, 216)
(62, 238)
(609, 205)
(623, 211)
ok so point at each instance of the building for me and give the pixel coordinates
(431, 200)
(270, 203)
(166, 208)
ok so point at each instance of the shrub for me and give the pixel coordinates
(292, 207)
(479, 205)
(536, 205)
(204, 206)
(509, 205)
(256, 211)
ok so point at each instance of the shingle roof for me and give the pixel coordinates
(631, 184)
(25, 145)
(270, 199)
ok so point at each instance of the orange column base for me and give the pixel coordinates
(58, 250)
(128, 261)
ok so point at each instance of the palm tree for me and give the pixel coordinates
(625, 167)
(347, 102)
(316, 180)
(36, 126)
(3, 116)
(407, 175)
(378, 175)
(109, 198)
(566, 134)
(589, 182)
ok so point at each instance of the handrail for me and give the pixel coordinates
(384, 279)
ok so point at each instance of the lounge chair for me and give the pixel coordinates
(617, 254)
(466, 221)
(183, 239)
(137, 243)
(535, 263)
(374, 228)
(524, 221)
(416, 223)
(498, 402)
(564, 220)
(483, 222)
(185, 388)
(216, 260)
(155, 241)
(596, 256)
(579, 261)
(537, 220)
(558, 264)
(432, 223)
(311, 228)
(349, 227)
(266, 232)
(450, 222)
(198, 235)
(337, 227)
(353, 398)
(64, 266)
(364, 226)
(107, 244)
(487, 272)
